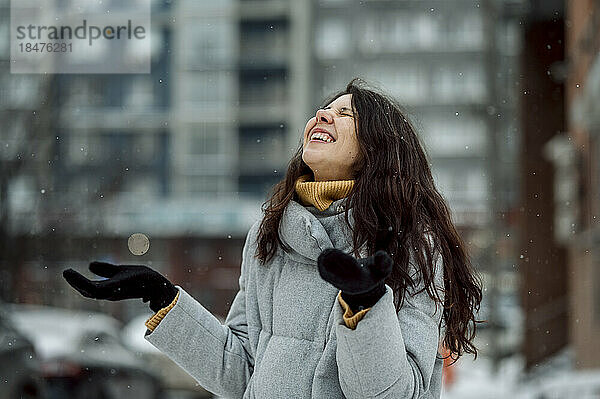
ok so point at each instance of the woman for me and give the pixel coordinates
(350, 285)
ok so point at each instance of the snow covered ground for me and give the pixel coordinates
(476, 379)
(556, 379)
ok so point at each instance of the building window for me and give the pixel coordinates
(408, 82)
(81, 186)
(205, 141)
(455, 136)
(378, 31)
(15, 130)
(86, 148)
(398, 32)
(567, 214)
(465, 31)
(465, 187)
(332, 39)
(454, 83)
(335, 77)
(83, 91)
(144, 149)
(510, 38)
(21, 195)
(264, 42)
(141, 93)
(210, 149)
(263, 87)
(401, 36)
(4, 27)
(425, 31)
(204, 184)
(208, 43)
(208, 89)
(262, 149)
(258, 185)
(157, 43)
(20, 90)
(142, 185)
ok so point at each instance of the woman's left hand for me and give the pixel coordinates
(362, 281)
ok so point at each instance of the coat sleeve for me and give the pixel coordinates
(389, 354)
(218, 356)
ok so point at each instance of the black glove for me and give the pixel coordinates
(124, 282)
(362, 281)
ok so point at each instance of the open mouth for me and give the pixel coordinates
(321, 137)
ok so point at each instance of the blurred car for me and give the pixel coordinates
(82, 355)
(20, 374)
(178, 384)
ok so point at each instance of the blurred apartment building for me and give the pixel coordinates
(542, 257)
(188, 153)
(574, 154)
(582, 165)
(560, 200)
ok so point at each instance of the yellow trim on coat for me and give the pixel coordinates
(351, 319)
(153, 321)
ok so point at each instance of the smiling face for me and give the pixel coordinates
(330, 146)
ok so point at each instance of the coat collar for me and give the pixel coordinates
(302, 229)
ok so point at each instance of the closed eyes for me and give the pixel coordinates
(343, 111)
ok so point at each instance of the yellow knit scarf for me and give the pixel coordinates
(321, 194)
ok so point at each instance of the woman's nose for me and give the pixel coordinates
(324, 116)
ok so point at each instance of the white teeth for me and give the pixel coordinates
(322, 136)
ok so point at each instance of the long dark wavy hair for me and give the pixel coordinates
(393, 187)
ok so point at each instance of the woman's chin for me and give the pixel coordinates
(314, 158)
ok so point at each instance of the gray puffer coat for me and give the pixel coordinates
(285, 337)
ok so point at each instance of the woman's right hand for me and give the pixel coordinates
(124, 282)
